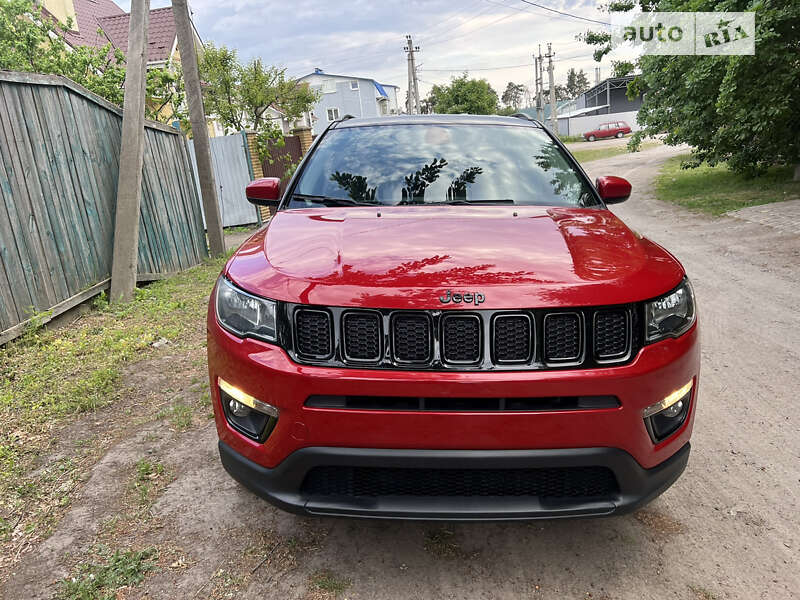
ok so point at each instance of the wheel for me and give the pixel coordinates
(592, 138)
(620, 134)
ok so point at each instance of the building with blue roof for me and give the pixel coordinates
(342, 95)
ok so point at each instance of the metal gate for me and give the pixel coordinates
(231, 163)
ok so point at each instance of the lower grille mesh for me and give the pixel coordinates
(567, 482)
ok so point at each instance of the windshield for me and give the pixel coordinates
(428, 164)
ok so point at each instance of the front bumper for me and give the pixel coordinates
(281, 485)
(306, 436)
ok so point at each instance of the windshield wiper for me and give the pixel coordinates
(465, 201)
(330, 201)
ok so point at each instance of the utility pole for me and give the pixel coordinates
(536, 84)
(124, 261)
(540, 82)
(202, 149)
(413, 84)
(553, 118)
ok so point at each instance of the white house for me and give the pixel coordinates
(346, 95)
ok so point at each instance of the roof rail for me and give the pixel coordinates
(520, 115)
(346, 117)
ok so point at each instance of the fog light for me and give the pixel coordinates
(238, 409)
(674, 397)
(666, 417)
(246, 414)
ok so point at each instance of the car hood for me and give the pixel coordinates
(407, 257)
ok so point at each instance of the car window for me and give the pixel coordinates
(604, 126)
(440, 163)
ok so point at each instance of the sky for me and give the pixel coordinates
(491, 39)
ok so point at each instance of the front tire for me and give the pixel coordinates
(591, 138)
(620, 134)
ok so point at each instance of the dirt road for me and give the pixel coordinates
(729, 528)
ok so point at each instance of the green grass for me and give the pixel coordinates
(48, 377)
(570, 139)
(716, 190)
(330, 582)
(589, 154)
(179, 415)
(145, 480)
(102, 579)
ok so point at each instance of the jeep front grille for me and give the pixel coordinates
(467, 340)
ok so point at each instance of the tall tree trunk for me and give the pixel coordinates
(797, 171)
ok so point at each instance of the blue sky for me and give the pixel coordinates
(366, 37)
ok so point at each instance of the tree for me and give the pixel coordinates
(239, 95)
(513, 95)
(561, 93)
(741, 110)
(577, 83)
(621, 68)
(464, 95)
(32, 41)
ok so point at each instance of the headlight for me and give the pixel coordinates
(243, 314)
(672, 314)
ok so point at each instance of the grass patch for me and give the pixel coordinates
(101, 580)
(570, 139)
(716, 190)
(179, 415)
(148, 480)
(48, 377)
(330, 582)
(441, 543)
(701, 593)
(589, 154)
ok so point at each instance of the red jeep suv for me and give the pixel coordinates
(607, 130)
(443, 320)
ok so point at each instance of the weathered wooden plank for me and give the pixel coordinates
(174, 210)
(83, 183)
(189, 186)
(157, 207)
(97, 177)
(72, 197)
(37, 274)
(47, 196)
(148, 225)
(10, 269)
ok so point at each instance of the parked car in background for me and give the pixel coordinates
(607, 130)
(435, 326)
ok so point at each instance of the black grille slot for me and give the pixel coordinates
(611, 334)
(411, 339)
(313, 333)
(461, 338)
(512, 338)
(448, 404)
(372, 482)
(362, 336)
(562, 337)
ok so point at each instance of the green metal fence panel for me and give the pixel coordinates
(59, 165)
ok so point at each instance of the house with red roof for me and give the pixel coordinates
(99, 22)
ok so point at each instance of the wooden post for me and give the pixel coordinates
(202, 149)
(129, 185)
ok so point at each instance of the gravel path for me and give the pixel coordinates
(727, 529)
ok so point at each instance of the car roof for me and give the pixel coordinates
(434, 120)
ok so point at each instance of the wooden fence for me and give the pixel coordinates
(59, 165)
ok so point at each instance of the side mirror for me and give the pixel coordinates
(264, 192)
(613, 190)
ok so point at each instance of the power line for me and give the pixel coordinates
(566, 14)
(479, 68)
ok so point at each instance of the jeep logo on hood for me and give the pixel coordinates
(465, 297)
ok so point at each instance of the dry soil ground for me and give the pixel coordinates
(729, 528)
